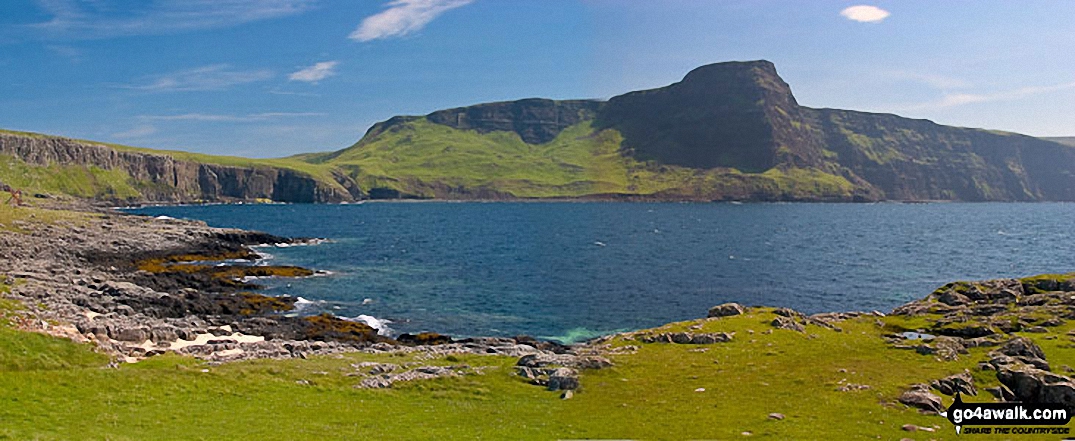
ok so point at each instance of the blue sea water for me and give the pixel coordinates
(571, 271)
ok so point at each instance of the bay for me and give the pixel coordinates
(570, 271)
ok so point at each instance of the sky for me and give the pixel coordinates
(271, 78)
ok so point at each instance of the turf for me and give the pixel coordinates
(13, 219)
(65, 391)
(420, 157)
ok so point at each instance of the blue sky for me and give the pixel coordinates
(267, 78)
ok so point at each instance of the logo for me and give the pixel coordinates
(998, 415)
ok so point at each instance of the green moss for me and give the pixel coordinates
(12, 217)
(1046, 282)
(87, 182)
(427, 159)
(261, 304)
(329, 327)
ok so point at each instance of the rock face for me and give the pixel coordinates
(736, 124)
(743, 116)
(536, 120)
(736, 114)
(163, 178)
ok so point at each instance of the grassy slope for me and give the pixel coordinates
(93, 182)
(417, 155)
(54, 389)
(12, 217)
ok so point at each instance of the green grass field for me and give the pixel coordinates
(418, 156)
(426, 159)
(55, 389)
(93, 182)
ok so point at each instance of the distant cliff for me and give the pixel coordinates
(726, 131)
(144, 176)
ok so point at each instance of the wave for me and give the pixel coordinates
(381, 325)
(576, 335)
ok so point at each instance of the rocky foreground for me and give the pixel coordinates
(137, 287)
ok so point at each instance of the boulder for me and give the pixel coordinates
(788, 323)
(708, 339)
(1001, 393)
(726, 310)
(681, 338)
(1032, 385)
(131, 334)
(921, 398)
(1022, 346)
(1059, 393)
(952, 298)
(959, 383)
(563, 379)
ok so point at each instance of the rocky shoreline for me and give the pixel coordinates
(136, 287)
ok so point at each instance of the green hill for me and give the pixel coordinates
(57, 166)
(727, 131)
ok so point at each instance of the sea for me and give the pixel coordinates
(571, 271)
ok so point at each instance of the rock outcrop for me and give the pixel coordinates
(159, 177)
(742, 116)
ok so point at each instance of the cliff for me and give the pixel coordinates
(88, 169)
(726, 131)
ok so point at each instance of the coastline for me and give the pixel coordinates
(136, 286)
(107, 279)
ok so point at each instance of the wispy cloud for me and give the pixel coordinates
(209, 117)
(289, 93)
(959, 99)
(865, 13)
(936, 81)
(109, 18)
(71, 53)
(403, 17)
(214, 77)
(136, 132)
(315, 73)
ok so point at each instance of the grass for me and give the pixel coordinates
(55, 389)
(12, 219)
(92, 182)
(423, 158)
(73, 180)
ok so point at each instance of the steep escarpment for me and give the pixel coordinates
(738, 115)
(535, 120)
(726, 131)
(911, 159)
(69, 166)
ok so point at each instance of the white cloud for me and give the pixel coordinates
(208, 117)
(215, 77)
(959, 99)
(933, 80)
(68, 52)
(137, 132)
(865, 14)
(403, 17)
(315, 73)
(110, 18)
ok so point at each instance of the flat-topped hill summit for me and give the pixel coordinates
(727, 131)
